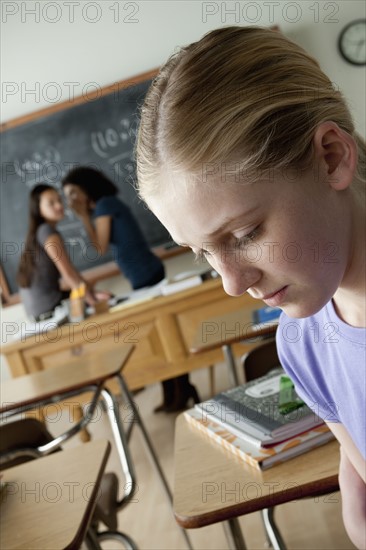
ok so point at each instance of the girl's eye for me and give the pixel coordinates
(238, 242)
(247, 239)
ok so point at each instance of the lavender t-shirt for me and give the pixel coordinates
(326, 359)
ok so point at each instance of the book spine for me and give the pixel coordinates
(226, 444)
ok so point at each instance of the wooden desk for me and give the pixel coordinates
(229, 328)
(26, 391)
(212, 485)
(162, 329)
(49, 502)
(88, 373)
(222, 331)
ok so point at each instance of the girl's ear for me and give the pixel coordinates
(336, 152)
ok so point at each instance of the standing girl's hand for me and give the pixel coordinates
(79, 205)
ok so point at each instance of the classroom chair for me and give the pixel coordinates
(259, 360)
(28, 438)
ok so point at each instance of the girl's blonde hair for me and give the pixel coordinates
(243, 93)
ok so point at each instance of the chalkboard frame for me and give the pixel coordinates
(108, 269)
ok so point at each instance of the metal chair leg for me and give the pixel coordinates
(230, 361)
(91, 540)
(127, 542)
(273, 534)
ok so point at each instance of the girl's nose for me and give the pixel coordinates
(238, 277)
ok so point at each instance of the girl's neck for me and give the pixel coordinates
(350, 298)
(52, 223)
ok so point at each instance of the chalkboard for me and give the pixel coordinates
(99, 132)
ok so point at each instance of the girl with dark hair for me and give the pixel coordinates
(45, 258)
(108, 221)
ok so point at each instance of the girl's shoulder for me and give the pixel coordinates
(44, 231)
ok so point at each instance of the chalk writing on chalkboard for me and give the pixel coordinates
(99, 133)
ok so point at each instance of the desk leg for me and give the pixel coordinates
(272, 532)
(127, 395)
(230, 361)
(234, 535)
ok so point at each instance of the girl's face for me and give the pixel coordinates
(284, 240)
(76, 196)
(51, 207)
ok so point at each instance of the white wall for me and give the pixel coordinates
(52, 50)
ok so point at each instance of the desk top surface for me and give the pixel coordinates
(211, 484)
(231, 327)
(48, 502)
(38, 386)
(127, 311)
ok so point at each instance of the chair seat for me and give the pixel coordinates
(106, 509)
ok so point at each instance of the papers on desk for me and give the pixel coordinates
(178, 286)
(180, 282)
(22, 329)
(137, 296)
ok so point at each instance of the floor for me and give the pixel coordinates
(306, 524)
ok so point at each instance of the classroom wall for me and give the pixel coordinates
(53, 51)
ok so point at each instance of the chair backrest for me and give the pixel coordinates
(258, 361)
(18, 438)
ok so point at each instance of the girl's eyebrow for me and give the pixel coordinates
(224, 227)
(230, 221)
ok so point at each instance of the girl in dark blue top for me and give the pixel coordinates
(108, 221)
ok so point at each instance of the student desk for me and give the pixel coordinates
(162, 330)
(49, 502)
(90, 373)
(222, 331)
(213, 485)
(59, 384)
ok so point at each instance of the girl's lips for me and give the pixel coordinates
(275, 299)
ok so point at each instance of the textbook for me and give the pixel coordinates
(256, 410)
(259, 457)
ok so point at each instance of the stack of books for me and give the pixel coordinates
(263, 421)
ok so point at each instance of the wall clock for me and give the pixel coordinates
(352, 42)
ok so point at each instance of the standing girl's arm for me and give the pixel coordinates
(99, 234)
(55, 248)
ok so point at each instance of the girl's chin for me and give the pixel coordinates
(300, 311)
